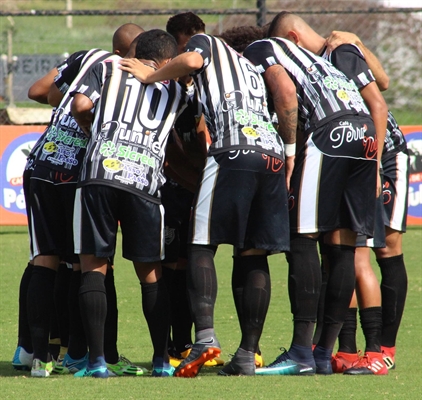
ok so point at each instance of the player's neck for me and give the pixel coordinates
(149, 63)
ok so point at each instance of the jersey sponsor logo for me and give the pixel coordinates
(109, 149)
(347, 133)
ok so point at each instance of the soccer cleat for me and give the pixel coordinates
(22, 360)
(259, 360)
(200, 353)
(70, 365)
(214, 362)
(161, 369)
(242, 363)
(95, 371)
(124, 367)
(370, 364)
(41, 369)
(284, 365)
(388, 355)
(342, 361)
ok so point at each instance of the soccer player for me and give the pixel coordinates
(56, 160)
(120, 181)
(241, 199)
(395, 167)
(349, 60)
(332, 190)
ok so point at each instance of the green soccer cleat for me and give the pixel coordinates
(124, 367)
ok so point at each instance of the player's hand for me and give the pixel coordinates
(135, 67)
(290, 163)
(337, 38)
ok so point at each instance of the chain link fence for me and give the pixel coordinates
(37, 34)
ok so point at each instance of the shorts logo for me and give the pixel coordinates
(386, 193)
(169, 235)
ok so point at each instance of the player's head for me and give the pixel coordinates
(156, 45)
(123, 37)
(292, 27)
(183, 26)
(241, 37)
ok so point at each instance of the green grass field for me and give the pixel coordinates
(403, 383)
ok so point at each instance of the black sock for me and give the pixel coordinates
(347, 335)
(321, 305)
(40, 307)
(167, 275)
(238, 283)
(340, 287)
(202, 285)
(256, 299)
(111, 353)
(182, 319)
(393, 293)
(371, 322)
(77, 340)
(61, 290)
(156, 308)
(24, 333)
(93, 306)
(304, 287)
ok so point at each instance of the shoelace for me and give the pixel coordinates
(125, 361)
(284, 356)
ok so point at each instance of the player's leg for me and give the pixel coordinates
(391, 259)
(95, 230)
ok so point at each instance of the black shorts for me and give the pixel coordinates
(243, 208)
(396, 190)
(378, 241)
(328, 191)
(51, 199)
(177, 203)
(99, 209)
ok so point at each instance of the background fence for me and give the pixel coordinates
(36, 34)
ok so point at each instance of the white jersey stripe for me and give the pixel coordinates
(311, 175)
(201, 223)
(400, 206)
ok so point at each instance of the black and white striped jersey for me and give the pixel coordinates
(131, 125)
(63, 144)
(232, 95)
(323, 92)
(350, 60)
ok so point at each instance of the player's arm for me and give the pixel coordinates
(182, 65)
(338, 38)
(40, 89)
(379, 113)
(81, 110)
(283, 93)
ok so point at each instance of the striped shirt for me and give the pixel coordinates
(323, 92)
(131, 125)
(232, 97)
(63, 144)
(350, 60)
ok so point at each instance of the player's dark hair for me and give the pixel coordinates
(241, 37)
(156, 45)
(186, 23)
(274, 23)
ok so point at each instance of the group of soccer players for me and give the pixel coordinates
(285, 148)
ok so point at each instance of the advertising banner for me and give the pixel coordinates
(15, 144)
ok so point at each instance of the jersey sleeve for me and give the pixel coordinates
(68, 70)
(201, 44)
(91, 83)
(350, 60)
(261, 54)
